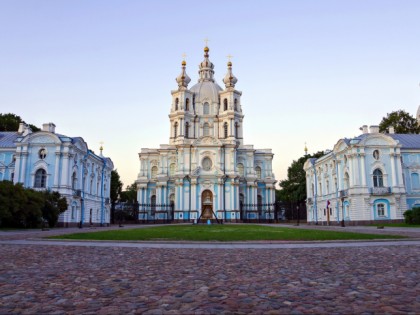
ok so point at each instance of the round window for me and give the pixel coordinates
(207, 164)
(376, 154)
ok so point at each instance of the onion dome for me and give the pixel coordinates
(229, 80)
(206, 68)
(183, 79)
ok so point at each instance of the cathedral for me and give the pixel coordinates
(206, 171)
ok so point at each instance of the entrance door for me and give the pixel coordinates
(207, 205)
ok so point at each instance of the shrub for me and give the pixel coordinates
(412, 216)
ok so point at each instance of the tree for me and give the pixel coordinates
(402, 122)
(116, 187)
(10, 122)
(53, 206)
(130, 193)
(293, 189)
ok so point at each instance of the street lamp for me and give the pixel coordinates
(342, 209)
(297, 208)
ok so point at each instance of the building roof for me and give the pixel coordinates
(7, 139)
(407, 141)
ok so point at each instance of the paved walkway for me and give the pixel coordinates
(57, 277)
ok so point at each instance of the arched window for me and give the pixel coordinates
(236, 130)
(172, 169)
(235, 105)
(187, 104)
(154, 172)
(346, 181)
(241, 170)
(206, 109)
(258, 172)
(40, 178)
(206, 129)
(175, 130)
(176, 103)
(91, 186)
(225, 130)
(225, 104)
(187, 130)
(415, 183)
(378, 178)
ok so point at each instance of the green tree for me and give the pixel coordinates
(10, 122)
(53, 206)
(130, 193)
(116, 187)
(293, 189)
(402, 122)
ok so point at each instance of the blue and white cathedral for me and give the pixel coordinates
(206, 171)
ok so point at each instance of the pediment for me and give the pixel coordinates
(42, 138)
(207, 141)
(378, 140)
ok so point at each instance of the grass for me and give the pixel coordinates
(398, 225)
(223, 233)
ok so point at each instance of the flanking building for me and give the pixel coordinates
(48, 160)
(372, 178)
(206, 171)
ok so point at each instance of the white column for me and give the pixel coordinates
(394, 178)
(362, 161)
(193, 194)
(17, 169)
(57, 169)
(23, 168)
(65, 170)
(399, 170)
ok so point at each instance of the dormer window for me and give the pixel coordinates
(376, 154)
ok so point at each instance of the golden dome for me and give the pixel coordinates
(184, 62)
(206, 49)
(229, 64)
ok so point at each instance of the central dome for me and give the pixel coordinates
(206, 90)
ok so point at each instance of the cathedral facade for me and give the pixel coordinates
(206, 171)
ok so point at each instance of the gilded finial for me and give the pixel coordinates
(229, 57)
(183, 59)
(101, 148)
(306, 149)
(206, 48)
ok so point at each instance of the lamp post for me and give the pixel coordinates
(342, 209)
(297, 209)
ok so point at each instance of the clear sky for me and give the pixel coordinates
(310, 71)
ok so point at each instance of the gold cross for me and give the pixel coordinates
(102, 145)
(207, 41)
(183, 56)
(229, 57)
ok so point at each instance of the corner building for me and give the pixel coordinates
(205, 171)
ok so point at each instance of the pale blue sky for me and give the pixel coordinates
(311, 71)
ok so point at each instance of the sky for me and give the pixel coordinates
(310, 71)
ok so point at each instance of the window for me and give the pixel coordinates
(207, 164)
(380, 208)
(206, 129)
(328, 187)
(225, 130)
(153, 204)
(376, 154)
(241, 170)
(91, 186)
(172, 169)
(42, 154)
(40, 178)
(176, 103)
(415, 183)
(175, 130)
(225, 104)
(187, 130)
(378, 178)
(235, 105)
(154, 172)
(187, 104)
(236, 130)
(258, 171)
(206, 109)
(73, 212)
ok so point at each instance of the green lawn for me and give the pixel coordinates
(398, 225)
(222, 233)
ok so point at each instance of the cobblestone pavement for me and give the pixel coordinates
(366, 279)
(119, 280)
